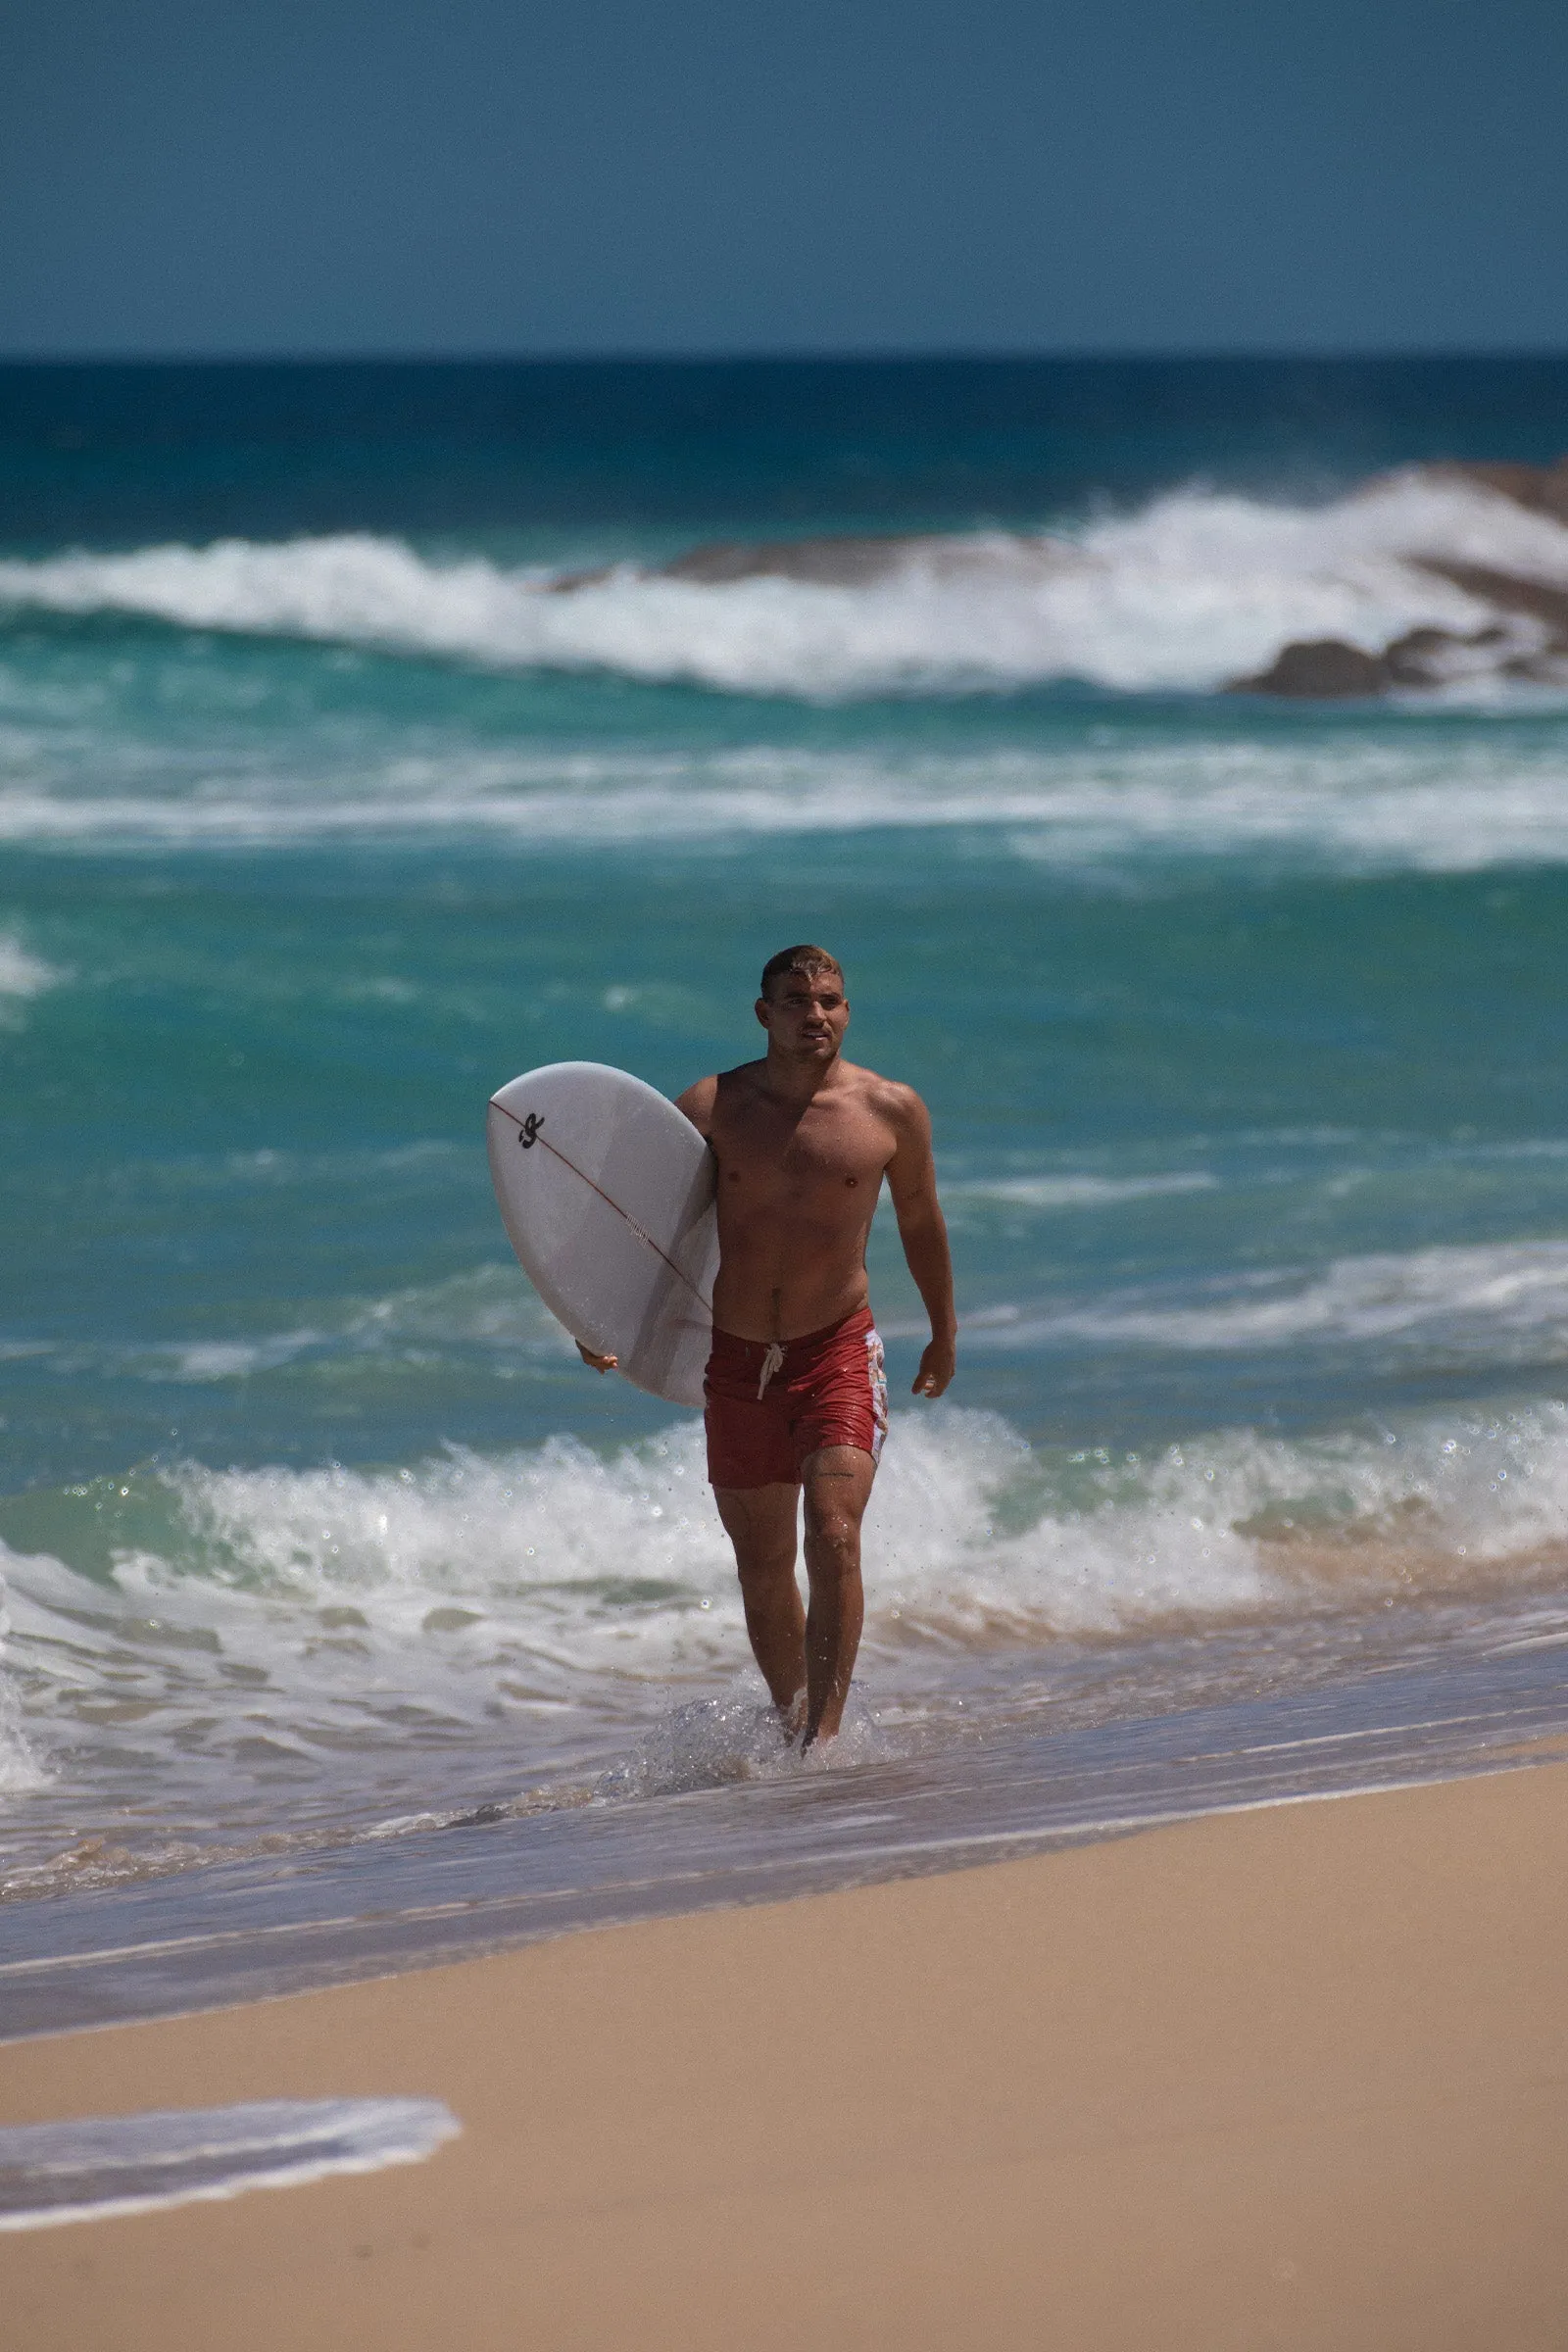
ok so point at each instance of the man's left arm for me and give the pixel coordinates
(923, 1231)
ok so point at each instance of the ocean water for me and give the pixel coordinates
(1243, 1026)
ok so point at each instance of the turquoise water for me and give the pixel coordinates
(1242, 1025)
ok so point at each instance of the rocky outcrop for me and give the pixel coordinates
(1321, 669)
(852, 562)
(1507, 593)
(841, 563)
(1524, 633)
(1544, 489)
(1327, 669)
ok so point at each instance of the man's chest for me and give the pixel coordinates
(763, 1153)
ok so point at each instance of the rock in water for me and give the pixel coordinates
(1319, 669)
(1543, 489)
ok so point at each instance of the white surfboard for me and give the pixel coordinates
(606, 1193)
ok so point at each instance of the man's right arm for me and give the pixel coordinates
(697, 1104)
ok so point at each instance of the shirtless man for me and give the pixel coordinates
(797, 1396)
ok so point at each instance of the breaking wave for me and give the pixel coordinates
(19, 1768)
(341, 1628)
(1194, 591)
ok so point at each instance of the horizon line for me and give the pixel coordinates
(825, 357)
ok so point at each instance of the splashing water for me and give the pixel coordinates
(361, 1639)
(1196, 589)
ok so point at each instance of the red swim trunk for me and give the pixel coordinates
(769, 1406)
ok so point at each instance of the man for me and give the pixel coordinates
(797, 1396)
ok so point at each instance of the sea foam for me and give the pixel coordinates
(1353, 803)
(22, 974)
(302, 1617)
(22, 977)
(95, 2166)
(20, 1769)
(1498, 1303)
(1196, 590)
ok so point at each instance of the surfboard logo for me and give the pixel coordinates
(528, 1129)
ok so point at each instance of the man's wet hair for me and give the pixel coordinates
(810, 962)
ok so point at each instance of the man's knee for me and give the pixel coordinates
(832, 1543)
(765, 1570)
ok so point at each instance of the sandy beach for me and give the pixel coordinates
(1291, 2077)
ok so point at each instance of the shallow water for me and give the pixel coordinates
(1241, 1026)
(92, 2167)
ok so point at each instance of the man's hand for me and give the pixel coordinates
(913, 1181)
(936, 1367)
(600, 1364)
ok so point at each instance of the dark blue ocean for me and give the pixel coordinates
(325, 809)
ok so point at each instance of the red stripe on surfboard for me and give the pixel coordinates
(643, 1235)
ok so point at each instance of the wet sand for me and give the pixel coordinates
(1292, 2076)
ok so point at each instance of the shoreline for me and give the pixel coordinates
(225, 1933)
(1291, 2075)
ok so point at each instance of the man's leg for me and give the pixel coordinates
(838, 1487)
(759, 1522)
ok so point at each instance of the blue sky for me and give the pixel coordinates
(781, 175)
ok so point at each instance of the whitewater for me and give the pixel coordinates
(309, 1629)
(1194, 591)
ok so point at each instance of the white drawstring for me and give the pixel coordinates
(772, 1362)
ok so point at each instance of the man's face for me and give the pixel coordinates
(806, 1014)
